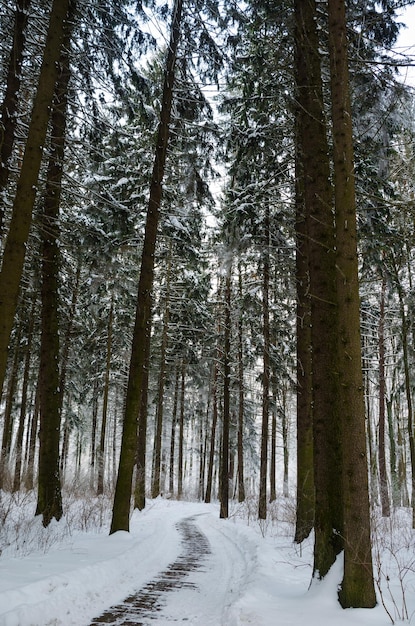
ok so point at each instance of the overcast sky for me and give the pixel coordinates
(406, 42)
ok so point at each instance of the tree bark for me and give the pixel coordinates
(173, 429)
(408, 390)
(262, 503)
(101, 450)
(121, 507)
(49, 501)
(357, 588)
(224, 461)
(8, 116)
(273, 460)
(94, 409)
(181, 432)
(140, 480)
(241, 403)
(305, 468)
(6, 441)
(318, 202)
(23, 402)
(30, 467)
(383, 476)
(211, 462)
(15, 245)
(155, 481)
(285, 445)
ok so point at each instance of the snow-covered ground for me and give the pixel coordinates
(254, 574)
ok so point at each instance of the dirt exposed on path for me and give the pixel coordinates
(142, 607)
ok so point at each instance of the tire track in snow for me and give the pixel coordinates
(150, 600)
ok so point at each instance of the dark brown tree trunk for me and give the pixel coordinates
(6, 441)
(181, 432)
(203, 437)
(155, 480)
(408, 390)
(263, 466)
(241, 385)
(211, 462)
(65, 446)
(8, 115)
(114, 439)
(383, 476)
(101, 450)
(30, 468)
(173, 429)
(357, 588)
(305, 469)
(372, 444)
(140, 479)
(49, 500)
(305, 465)
(63, 369)
(23, 402)
(273, 460)
(318, 202)
(15, 245)
(224, 462)
(392, 453)
(94, 407)
(68, 334)
(121, 508)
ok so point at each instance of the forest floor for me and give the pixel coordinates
(181, 563)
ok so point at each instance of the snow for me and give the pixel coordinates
(253, 575)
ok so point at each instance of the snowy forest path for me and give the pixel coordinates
(151, 598)
(199, 587)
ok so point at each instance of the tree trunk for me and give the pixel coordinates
(224, 463)
(23, 402)
(140, 480)
(241, 386)
(15, 246)
(273, 460)
(8, 116)
(392, 454)
(181, 433)
(371, 436)
(121, 508)
(285, 444)
(63, 369)
(203, 437)
(173, 429)
(305, 470)
(94, 408)
(101, 450)
(314, 167)
(383, 476)
(155, 481)
(357, 589)
(49, 501)
(30, 468)
(262, 504)
(211, 463)
(6, 441)
(408, 390)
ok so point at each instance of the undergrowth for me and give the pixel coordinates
(21, 532)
